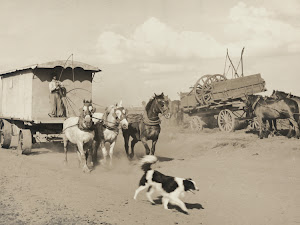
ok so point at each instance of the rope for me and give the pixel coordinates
(64, 66)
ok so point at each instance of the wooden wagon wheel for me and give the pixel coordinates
(203, 87)
(196, 123)
(226, 120)
(6, 134)
(25, 141)
(254, 124)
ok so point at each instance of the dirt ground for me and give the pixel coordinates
(242, 180)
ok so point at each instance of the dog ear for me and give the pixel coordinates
(188, 178)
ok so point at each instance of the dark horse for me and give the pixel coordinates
(266, 108)
(147, 126)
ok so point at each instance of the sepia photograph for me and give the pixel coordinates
(146, 112)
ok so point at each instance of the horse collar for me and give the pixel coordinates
(150, 122)
(115, 129)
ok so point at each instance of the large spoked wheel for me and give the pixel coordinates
(254, 124)
(25, 141)
(203, 87)
(6, 134)
(226, 120)
(196, 124)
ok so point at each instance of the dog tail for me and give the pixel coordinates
(147, 161)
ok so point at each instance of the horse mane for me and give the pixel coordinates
(109, 108)
(149, 104)
(151, 100)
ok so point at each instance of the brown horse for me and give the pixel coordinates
(79, 131)
(282, 95)
(147, 126)
(268, 108)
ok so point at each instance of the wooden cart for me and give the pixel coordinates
(25, 102)
(216, 98)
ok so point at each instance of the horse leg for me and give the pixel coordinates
(83, 157)
(270, 124)
(104, 152)
(66, 148)
(265, 130)
(111, 151)
(95, 147)
(289, 135)
(294, 124)
(133, 142)
(275, 125)
(126, 142)
(261, 127)
(89, 154)
(144, 141)
(153, 147)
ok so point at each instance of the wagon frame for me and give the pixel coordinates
(214, 97)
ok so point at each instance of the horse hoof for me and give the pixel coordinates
(86, 170)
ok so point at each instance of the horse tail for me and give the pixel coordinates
(147, 161)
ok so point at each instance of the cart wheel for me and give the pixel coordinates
(254, 124)
(203, 87)
(25, 141)
(196, 123)
(226, 120)
(6, 134)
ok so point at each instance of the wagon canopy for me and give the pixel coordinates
(57, 63)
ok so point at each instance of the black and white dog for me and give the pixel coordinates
(171, 188)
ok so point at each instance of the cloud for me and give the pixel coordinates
(154, 43)
(154, 40)
(261, 31)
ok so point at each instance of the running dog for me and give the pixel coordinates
(171, 188)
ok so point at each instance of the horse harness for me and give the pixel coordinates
(257, 103)
(149, 121)
(115, 126)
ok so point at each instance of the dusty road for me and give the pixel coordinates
(242, 180)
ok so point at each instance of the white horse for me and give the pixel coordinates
(107, 129)
(80, 131)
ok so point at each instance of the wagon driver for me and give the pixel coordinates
(56, 89)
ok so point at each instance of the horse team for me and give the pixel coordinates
(91, 130)
(279, 105)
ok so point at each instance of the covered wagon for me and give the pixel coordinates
(25, 102)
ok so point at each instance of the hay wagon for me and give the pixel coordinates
(25, 102)
(217, 101)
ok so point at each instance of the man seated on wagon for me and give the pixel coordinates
(56, 89)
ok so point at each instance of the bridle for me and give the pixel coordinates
(153, 121)
(114, 126)
(162, 111)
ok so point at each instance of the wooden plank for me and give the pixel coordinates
(16, 95)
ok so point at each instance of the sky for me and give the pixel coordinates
(146, 47)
